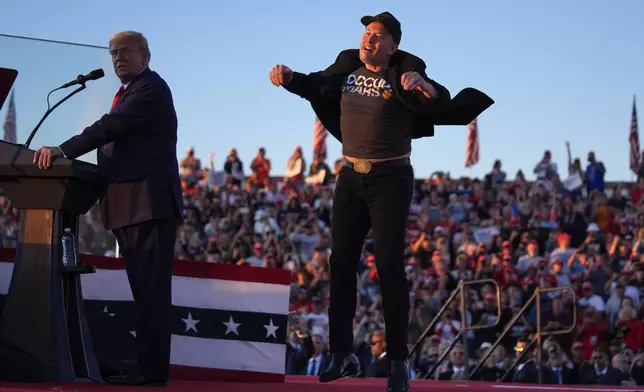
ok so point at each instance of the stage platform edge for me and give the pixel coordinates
(310, 384)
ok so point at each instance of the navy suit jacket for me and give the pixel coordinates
(137, 154)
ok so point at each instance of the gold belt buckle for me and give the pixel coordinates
(362, 166)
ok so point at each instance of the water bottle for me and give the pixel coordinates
(69, 251)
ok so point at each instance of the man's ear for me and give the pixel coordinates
(146, 60)
(393, 49)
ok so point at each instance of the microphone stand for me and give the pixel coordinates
(79, 267)
(48, 112)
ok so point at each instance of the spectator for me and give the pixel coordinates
(590, 299)
(320, 172)
(190, 167)
(562, 368)
(320, 357)
(234, 168)
(456, 365)
(261, 168)
(546, 170)
(295, 167)
(378, 366)
(599, 371)
(523, 235)
(630, 330)
(595, 172)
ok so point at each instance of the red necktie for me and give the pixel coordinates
(116, 98)
(107, 149)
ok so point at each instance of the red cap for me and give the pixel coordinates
(562, 237)
(587, 285)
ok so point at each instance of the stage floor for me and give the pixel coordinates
(309, 384)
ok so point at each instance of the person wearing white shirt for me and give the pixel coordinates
(590, 299)
(630, 291)
(457, 361)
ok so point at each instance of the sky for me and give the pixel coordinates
(558, 70)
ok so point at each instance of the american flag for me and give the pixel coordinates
(228, 322)
(319, 139)
(10, 121)
(634, 141)
(472, 152)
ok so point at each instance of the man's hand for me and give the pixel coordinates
(280, 75)
(44, 156)
(413, 81)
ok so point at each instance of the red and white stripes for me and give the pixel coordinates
(472, 155)
(10, 121)
(319, 139)
(634, 142)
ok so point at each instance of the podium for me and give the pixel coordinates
(44, 335)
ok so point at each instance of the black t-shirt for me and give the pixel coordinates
(373, 121)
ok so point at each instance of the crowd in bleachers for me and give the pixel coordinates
(564, 229)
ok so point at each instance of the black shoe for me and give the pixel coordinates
(341, 366)
(135, 379)
(398, 376)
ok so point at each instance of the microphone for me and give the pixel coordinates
(81, 79)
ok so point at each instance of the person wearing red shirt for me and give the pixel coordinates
(637, 193)
(261, 166)
(591, 332)
(302, 300)
(505, 275)
(630, 329)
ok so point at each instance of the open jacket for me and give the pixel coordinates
(323, 90)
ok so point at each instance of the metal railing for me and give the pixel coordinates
(538, 337)
(459, 291)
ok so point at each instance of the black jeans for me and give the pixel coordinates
(380, 200)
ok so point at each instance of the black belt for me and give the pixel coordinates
(364, 166)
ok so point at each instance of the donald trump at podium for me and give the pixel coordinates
(142, 202)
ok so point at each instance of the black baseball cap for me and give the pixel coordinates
(389, 21)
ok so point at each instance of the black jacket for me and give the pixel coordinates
(137, 154)
(323, 90)
(377, 367)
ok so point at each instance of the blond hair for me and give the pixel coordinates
(627, 314)
(140, 38)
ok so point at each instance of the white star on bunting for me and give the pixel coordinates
(190, 323)
(108, 312)
(231, 326)
(271, 329)
(133, 333)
